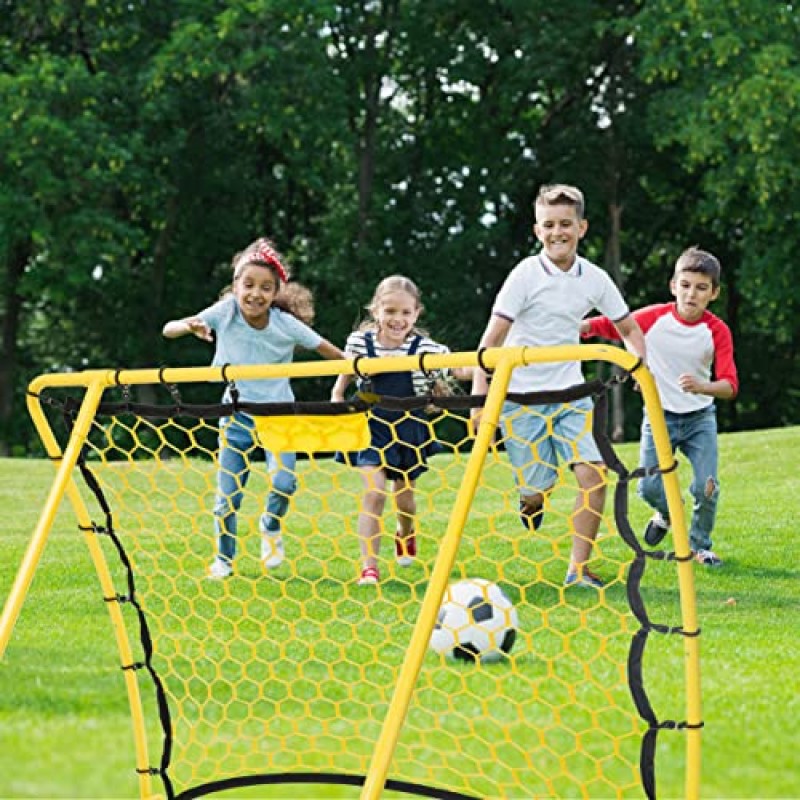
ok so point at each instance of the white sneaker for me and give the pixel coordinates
(220, 569)
(272, 552)
(708, 558)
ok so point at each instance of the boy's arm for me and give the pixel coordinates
(601, 327)
(632, 335)
(604, 328)
(494, 336)
(181, 327)
(720, 389)
(725, 386)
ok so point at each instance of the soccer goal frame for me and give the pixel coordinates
(500, 362)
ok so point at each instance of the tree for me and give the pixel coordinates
(144, 144)
(732, 78)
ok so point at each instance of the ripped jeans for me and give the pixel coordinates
(237, 445)
(695, 435)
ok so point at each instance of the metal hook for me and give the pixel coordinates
(423, 369)
(481, 351)
(359, 374)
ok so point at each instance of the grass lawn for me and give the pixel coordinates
(65, 725)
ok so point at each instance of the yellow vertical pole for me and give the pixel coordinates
(686, 587)
(407, 679)
(64, 483)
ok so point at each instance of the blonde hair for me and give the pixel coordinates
(394, 283)
(561, 194)
(291, 296)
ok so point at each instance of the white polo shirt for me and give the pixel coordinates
(545, 306)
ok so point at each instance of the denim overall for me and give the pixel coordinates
(401, 441)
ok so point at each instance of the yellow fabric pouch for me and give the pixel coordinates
(313, 433)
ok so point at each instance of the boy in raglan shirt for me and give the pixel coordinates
(690, 353)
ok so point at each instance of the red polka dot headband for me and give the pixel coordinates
(266, 254)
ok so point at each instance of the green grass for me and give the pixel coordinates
(65, 727)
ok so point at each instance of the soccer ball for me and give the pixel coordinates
(476, 622)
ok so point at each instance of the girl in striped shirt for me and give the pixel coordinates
(401, 441)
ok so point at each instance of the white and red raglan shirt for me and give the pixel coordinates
(675, 347)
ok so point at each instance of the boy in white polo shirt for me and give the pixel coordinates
(686, 343)
(541, 304)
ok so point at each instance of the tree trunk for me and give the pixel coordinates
(614, 266)
(18, 256)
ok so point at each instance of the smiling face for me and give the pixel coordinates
(395, 314)
(559, 229)
(254, 288)
(693, 292)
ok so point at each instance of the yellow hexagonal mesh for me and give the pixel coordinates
(287, 674)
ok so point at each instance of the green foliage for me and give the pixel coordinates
(143, 144)
(731, 83)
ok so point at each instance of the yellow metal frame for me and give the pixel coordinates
(502, 361)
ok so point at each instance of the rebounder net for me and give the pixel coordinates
(291, 675)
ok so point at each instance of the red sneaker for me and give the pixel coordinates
(369, 576)
(405, 549)
(583, 577)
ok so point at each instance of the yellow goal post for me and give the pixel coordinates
(301, 676)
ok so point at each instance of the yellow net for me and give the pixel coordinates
(289, 674)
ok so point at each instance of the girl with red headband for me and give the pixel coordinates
(261, 320)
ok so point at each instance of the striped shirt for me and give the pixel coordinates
(357, 346)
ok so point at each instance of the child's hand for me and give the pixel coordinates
(475, 416)
(690, 384)
(199, 328)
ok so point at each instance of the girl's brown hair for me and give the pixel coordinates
(291, 297)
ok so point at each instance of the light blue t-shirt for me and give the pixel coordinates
(237, 343)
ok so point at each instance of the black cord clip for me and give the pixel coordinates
(424, 370)
(481, 363)
(171, 388)
(232, 388)
(364, 381)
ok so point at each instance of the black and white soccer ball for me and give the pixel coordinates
(477, 622)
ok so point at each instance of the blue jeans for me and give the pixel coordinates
(695, 435)
(237, 443)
